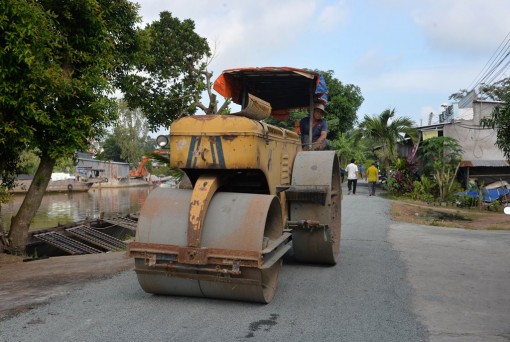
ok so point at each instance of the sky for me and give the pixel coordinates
(406, 55)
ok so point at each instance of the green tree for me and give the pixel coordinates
(169, 71)
(500, 117)
(110, 149)
(66, 62)
(128, 141)
(349, 145)
(386, 131)
(27, 78)
(130, 132)
(344, 102)
(441, 158)
(60, 62)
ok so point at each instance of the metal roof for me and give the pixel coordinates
(282, 87)
(484, 163)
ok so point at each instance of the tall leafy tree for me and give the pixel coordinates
(131, 132)
(67, 63)
(169, 71)
(60, 63)
(386, 130)
(344, 102)
(28, 78)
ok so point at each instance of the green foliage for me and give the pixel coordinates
(294, 117)
(64, 164)
(439, 151)
(465, 201)
(168, 70)
(130, 133)
(341, 109)
(29, 79)
(163, 167)
(348, 146)
(420, 192)
(345, 100)
(500, 120)
(385, 131)
(61, 62)
(441, 157)
(111, 150)
(28, 162)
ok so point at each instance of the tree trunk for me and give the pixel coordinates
(20, 223)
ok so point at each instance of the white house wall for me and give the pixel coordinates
(477, 143)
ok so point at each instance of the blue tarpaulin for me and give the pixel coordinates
(488, 195)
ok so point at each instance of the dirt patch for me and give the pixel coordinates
(421, 213)
(24, 285)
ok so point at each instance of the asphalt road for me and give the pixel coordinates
(395, 282)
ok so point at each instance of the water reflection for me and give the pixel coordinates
(65, 208)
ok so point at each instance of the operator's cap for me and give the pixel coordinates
(320, 106)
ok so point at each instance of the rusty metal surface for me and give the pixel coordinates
(97, 238)
(306, 225)
(254, 285)
(308, 193)
(204, 190)
(66, 243)
(484, 163)
(317, 168)
(211, 256)
(236, 228)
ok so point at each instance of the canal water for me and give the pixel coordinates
(63, 208)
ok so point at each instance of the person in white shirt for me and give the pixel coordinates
(352, 176)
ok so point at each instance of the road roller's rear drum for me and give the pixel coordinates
(319, 169)
(234, 221)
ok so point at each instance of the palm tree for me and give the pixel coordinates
(385, 130)
(349, 146)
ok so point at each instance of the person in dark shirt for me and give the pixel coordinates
(319, 129)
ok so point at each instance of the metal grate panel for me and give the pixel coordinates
(122, 222)
(66, 243)
(97, 238)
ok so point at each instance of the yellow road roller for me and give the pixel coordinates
(255, 194)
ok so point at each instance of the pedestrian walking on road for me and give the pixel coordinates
(361, 171)
(352, 176)
(372, 175)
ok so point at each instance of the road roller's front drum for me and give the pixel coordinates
(234, 221)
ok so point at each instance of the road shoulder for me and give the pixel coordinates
(460, 280)
(25, 285)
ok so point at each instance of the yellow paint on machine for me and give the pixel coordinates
(233, 142)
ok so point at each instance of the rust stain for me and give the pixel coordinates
(204, 117)
(230, 137)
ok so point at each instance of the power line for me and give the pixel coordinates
(490, 72)
(474, 82)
